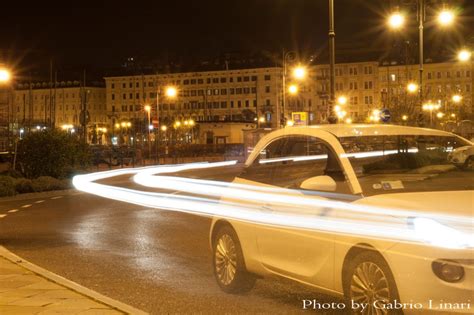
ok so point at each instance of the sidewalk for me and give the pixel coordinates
(28, 289)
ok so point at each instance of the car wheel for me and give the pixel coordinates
(469, 163)
(228, 261)
(370, 282)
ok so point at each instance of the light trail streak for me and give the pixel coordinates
(244, 202)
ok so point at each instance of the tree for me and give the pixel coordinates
(51, 153)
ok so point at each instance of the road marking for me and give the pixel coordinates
(57, 197)
(39, 201)
(12, 210)
(2, 215)
(26, 206)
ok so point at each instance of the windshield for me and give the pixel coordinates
(406, 163)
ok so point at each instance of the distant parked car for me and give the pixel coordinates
(463, 157)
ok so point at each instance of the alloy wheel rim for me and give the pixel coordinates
(225, 259)
(369, 285)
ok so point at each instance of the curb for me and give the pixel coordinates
(5, 253)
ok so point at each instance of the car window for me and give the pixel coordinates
(304, 157)
(408, 163)
(260, 171)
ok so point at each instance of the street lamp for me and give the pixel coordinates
(396, 20)
(464, 55)
(4, 75)
(456, 98)
(446, 17)
(430, 107)
(342, 100)
(412, 87)
(293, 89)
(299, 72)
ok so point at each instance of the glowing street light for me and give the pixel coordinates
(147, 108)
(464, 55)
(404, 117)
(341, 114)
(4, 75)
(261, 119)
(440, 115)
(293, 89)
(342, 100)
(396, 20)
(290, 123)
(412, 87)
(456, 98)
(349, 121)
(164, 128)
(171, 92)
(299, 73)
(446, 17)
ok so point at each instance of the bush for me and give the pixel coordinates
(23, 185)
(12, 173)
(7, 186)
(47, 183)
(51, 153)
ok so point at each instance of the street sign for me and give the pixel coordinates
(299, 118)
(385, 115)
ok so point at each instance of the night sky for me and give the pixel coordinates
(103, 34)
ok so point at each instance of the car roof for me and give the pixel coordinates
(352, 130)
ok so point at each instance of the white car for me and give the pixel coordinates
(404, 169)
(463, 157)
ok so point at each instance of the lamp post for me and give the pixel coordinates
(147, 109)
(332, 60)
(298, 73)
(5, 80)
(170, 92)
(396, 21)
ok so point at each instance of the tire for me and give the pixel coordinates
(228, 262)
(368, 279)
(469, 164)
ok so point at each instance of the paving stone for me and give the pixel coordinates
(85, 303)
(100, 312)
(44, 285)
(20, 310)
(61, 294)
(34, 301)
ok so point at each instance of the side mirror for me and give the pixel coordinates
(321, 183)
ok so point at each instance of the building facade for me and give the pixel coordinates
(233, 95)
(38, 105)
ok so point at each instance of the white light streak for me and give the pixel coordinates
(292, 208)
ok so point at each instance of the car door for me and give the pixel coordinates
(300, 254)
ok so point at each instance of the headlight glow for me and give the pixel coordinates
(437, 234)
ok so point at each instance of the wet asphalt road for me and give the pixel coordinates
(156, 260)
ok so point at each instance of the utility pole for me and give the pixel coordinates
(421, 20)
(332, 61)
